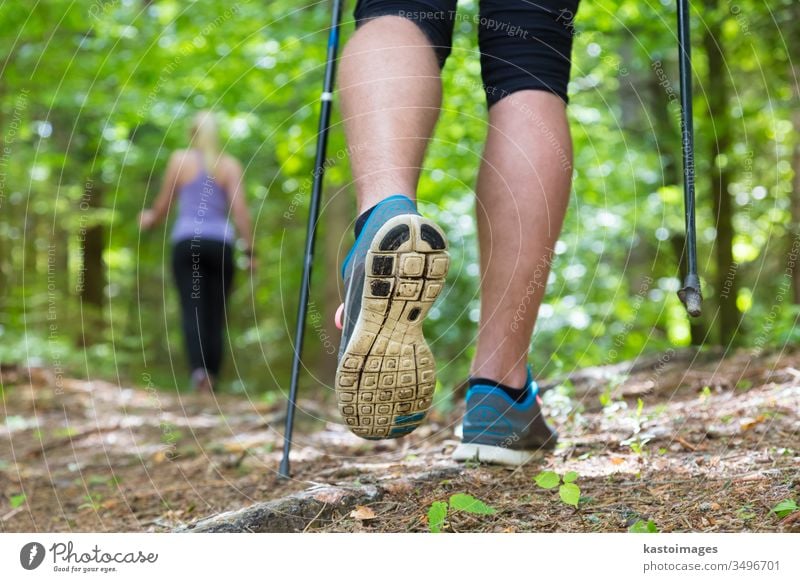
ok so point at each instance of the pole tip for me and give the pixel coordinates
(283, 470)
(692, 300)
(691, 296)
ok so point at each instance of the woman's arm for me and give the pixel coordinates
(236, 198)
(151, 217)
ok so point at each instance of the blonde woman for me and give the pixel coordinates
(210, 188)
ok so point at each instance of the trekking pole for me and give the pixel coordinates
(690, 295)
(313, 214)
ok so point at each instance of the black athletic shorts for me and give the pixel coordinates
(524, 44)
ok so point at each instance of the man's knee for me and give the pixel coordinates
(434, 18)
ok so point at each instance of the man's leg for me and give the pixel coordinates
(390, 92)
(523, 191)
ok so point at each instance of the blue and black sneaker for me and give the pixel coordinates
(499, 429)
(394, 272)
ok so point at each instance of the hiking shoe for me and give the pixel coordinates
(499, 430)
(386, 375)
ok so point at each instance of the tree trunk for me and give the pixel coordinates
(794, 81)
(91, 281)
(720, 177)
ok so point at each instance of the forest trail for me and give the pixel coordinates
(691, 441)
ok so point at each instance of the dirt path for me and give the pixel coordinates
(713, 447)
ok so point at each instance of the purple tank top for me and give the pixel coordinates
(202, 210)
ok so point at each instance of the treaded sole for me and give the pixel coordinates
(386, 376)
(495, 455)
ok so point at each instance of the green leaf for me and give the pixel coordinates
(17, 500)
(642, 527)
(436, 515)
(570, 477)
(570, 494)
(639, 406)
(547, 480)
(464, 502)
(785, 507)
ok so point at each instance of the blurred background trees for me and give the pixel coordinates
(95, 95)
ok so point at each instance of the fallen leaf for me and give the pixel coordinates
(398, 487)
(617, 460)
(748, 423)
(362, 512)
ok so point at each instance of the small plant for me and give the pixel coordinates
(641, 526)
(17, 500)
(65, 432)
(638, 441)
(101, 481)
(746, 512)
(607, 396)
(568, 490)
(437, 513)
(92, 501)
(784, 508)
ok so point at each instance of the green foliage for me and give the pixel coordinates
(547, 480)
(436, 516)
(568, 490)
(570, 494)
(644, 527)
(745, 512)
(17, 500)
(464, 502)
(638, 442)
(92, 501)
(785, 507)
(570, 477)
(437, 513)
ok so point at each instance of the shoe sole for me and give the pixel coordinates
(386, 376)
(495, 455)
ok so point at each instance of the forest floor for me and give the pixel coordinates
(691, 441)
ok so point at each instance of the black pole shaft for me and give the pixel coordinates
(311, 234)
(690, 294)
(687, 128)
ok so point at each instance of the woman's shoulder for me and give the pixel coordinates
(178, 158)
(228, 162)
(229, 169)
(179, 155)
